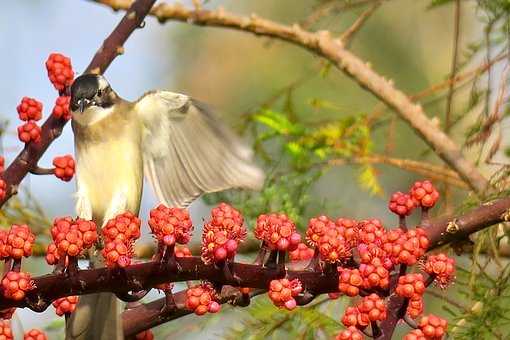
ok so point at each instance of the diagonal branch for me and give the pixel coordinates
(332, 49)
(349, 34)
(28, 158)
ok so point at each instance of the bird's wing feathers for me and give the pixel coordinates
(188, 152)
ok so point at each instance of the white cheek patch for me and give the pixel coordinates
(92, 115)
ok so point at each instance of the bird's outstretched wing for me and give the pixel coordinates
(188, 152)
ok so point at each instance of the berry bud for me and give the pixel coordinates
(29, 109)
(16, 284)
(424, 194)
(61, 108)
(29, 132)
(65, 305)
(60, 71)
(35, 334)
(64, 167)
(401, 204)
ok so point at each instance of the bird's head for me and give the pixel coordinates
(91, 90)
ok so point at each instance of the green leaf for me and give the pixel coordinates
(277, 122)
(437, 3)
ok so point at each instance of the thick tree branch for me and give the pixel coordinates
(27, 159)
(332, 49)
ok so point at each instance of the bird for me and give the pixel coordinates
(171, 139)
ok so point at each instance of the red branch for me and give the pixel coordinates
(28, 158)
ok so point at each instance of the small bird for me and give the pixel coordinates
(171, 139)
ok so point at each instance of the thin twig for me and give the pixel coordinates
(348, 35)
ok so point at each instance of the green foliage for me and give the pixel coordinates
(265, 321)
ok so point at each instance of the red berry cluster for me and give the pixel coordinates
(371, 232)
(301, 253)
(374, 274)
(226, 217)
(351, 333)
(415, 334)
(182, 252)
(20, 240)
(52, 256)
(16, 285)
(35, 334)
(119, 234)
(424, 194)
(145, 335)
(406, 247)
(2, 164)
(61, 109)
(371, 308)
(60, 71)
(278, 232)
(348, 229)
(4, 254)
(317, 227)
(64, 167)
(6, 330)
(170, 225)
(29, 132)
(222, 234)
(401, 204)
(412, 287)
(70, 238)
(441, 267)
(202, 299)
(433, 327)
(282, 292)
(29, 109)
(349, 281)
(65, 305)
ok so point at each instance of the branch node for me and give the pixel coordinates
(452, 227)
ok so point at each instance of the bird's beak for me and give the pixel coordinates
(82, 103)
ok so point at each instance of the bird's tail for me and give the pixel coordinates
(97, 317)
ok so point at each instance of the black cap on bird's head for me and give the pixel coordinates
(91, 90)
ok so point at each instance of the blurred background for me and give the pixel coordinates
(319, 136)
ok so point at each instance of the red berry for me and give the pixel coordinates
(433, 327)
(65, 305)
(20, 240)
(61, 108)
(351, 333)
(373, 307)
(182, 252)
(415, 334)
(283, 291)
(4, 253)
(52, 256)
(16, 284)
(2, 164)
(411, 286)
(374, 274)
(6, 330)
(145, 335)
(125, 227)
(349, 281)
(60, 71)
(332, 246)
(401, 204)
(371, 231)
(29, 132)
(202, 299)
(348, 229)
(117, 253)
(3, 189)
(64, 167)
(441, 267)
(278, 232)
(415, 307)
(302, 253)
(35, 334)
(353, 317)
(29, 109)
(424, 194)
(317, 227)
(172, 223)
